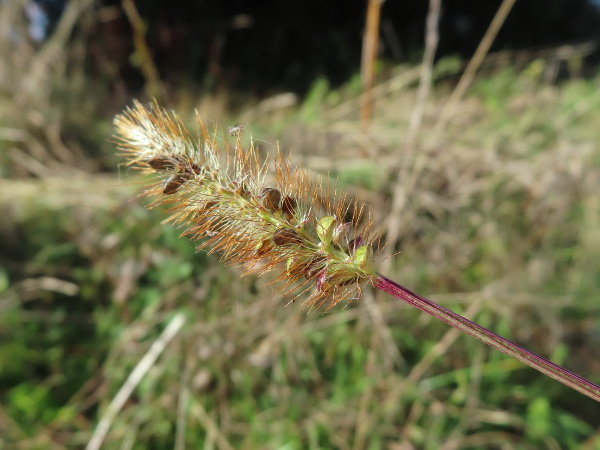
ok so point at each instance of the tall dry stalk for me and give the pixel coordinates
(226, 199)
(369, 57)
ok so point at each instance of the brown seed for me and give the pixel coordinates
(354, 244)
(209, 205)
(161, 163)
(314, 267)
(270, 199)
(286, 236)
(207, 210)
(194, 168)
(288, 207)
(174, 182)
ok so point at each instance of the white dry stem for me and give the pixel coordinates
(133, 380)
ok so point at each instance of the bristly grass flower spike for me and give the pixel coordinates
(228, 198)
(265, 220)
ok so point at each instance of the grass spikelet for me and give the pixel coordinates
(264, 217)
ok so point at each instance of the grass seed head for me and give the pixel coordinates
(220, 195)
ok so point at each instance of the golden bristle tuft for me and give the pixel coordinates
(220, 195)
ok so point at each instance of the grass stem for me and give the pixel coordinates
(545, 366)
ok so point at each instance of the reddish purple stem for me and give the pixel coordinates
(560, 374)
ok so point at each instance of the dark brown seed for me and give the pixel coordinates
(354, 244)
(270, 199)
(288, 207)
(207, 210)
(194, 168)
(314, 267)
(174, 182)
(286, 236)
(161, 163)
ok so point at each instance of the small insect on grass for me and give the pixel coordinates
(237, 129)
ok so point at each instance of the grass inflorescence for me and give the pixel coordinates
(263, 217)
(225, 197)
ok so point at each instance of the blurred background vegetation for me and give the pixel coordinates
(490, 201)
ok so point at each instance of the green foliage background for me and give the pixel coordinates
(502, 226)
